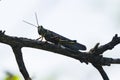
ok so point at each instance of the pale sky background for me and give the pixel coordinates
(87, 21)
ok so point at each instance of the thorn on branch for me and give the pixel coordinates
(94, 50)
(115, 40)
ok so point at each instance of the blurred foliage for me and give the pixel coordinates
(10, 76)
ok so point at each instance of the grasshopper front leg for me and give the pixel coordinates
(38, 38)
(42, 36)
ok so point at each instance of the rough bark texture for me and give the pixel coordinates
(94, 56)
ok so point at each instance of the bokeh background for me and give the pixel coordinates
(87, 21)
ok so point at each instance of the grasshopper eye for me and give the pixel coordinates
(40, 27)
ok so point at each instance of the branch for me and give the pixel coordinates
(94, 56)
(101, 71)
(19, 59)
(109, 46)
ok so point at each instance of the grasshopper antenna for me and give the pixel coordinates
(29, 23)
(36, 18)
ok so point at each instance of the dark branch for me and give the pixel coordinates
(109, 46)
(101, 71)
(94, 56)
(20, 62)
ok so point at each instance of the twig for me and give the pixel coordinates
(101, 71)
(20, 62)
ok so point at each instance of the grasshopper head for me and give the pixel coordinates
(40, 30)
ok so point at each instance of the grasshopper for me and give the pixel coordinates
(56, 38)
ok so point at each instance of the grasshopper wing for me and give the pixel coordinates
(75, 46)
(71, 44)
